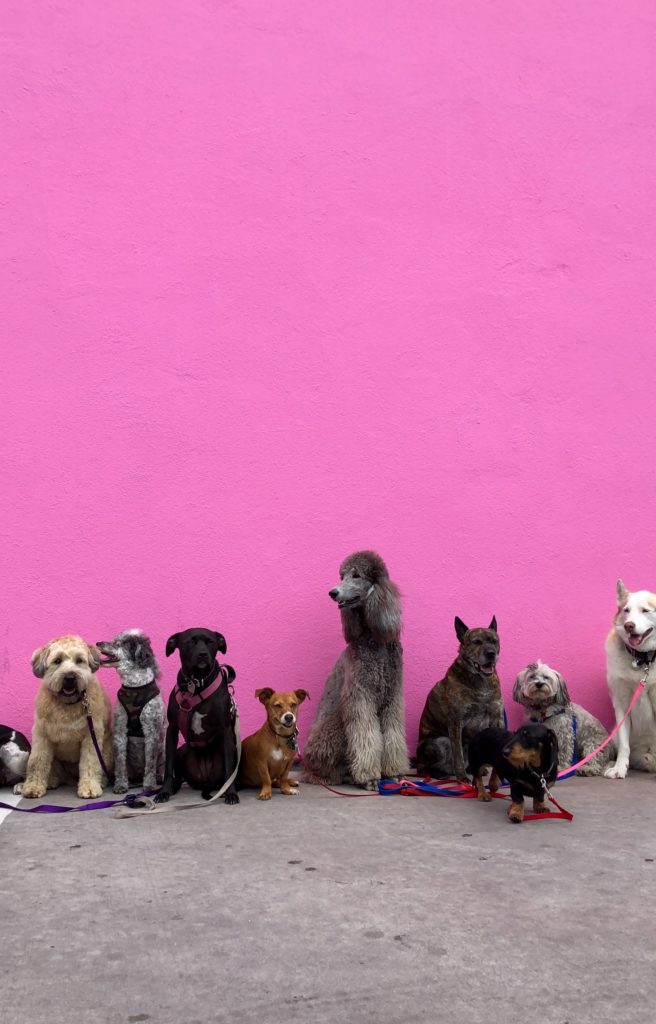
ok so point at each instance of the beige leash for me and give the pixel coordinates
(150, 807)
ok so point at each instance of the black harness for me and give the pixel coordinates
(134, 699)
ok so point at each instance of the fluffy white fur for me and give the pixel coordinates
(634, 626)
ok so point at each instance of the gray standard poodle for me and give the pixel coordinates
(544, 696)
(358, 734)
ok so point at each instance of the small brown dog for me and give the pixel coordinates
(267, 755)
(466, 701)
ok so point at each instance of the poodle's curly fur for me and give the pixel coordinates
(359, 733)
(544, 696)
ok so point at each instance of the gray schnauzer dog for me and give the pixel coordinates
(544, 696)
(359, 733)
(140, 716)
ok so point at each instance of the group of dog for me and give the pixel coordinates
(358, 734)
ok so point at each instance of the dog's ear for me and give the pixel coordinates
(171, 644)
(142, 657)
(94, 657)
(302, 695)
(562, 693)
(493, 624)
(549, 753)
(39, 659)
(220, 642)
(264, 694)
(622, 593)
(517, 695)
(382, 608)
(461, 629)
(229, 671)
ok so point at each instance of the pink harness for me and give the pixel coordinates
(188, 702)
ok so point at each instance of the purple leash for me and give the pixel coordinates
(131, 800)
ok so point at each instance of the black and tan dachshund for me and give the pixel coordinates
(524, 758)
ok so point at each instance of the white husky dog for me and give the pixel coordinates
(630, 655)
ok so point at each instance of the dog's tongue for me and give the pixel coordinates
(635, 639)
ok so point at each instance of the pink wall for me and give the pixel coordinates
(281, 280)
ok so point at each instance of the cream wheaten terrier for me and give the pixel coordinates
(62, 749)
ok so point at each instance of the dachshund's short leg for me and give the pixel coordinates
(516, 813)
(494, 782)
(540, 806)
(482, 793)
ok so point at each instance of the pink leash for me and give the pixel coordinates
(567, 772)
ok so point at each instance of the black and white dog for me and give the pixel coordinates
(140, 716)
(14, 752)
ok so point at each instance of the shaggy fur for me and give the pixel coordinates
(358, 733)
(138, 742)
(630, 656)
(62, 748)
(14, 752)
(544, 696)
(459, 706)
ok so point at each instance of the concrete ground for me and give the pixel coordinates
(319, 910)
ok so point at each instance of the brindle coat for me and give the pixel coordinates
(467, 700)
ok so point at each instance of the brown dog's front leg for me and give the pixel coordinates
(265, 779)
(455, 735)
(481, 790)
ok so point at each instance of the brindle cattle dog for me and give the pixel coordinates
(467, 700)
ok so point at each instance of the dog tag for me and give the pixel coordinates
(191, 687)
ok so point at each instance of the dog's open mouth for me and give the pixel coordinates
(635, 639)
(486, 670)
(348, 602)
(69, 689)
(107, 657)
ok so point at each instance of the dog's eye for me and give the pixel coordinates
(478, 642)
(626, 610)
(57, 660)
(356, 575)
(79, 660)
(645, 611)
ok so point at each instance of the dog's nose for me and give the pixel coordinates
(538, 684)
(629, 627)
(334, 593)
(288, 718)
(70, 677)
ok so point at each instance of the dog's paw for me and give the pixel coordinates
(484, 798)
(32, 790)
(162, 797)
(233, 798)
(588, 770)
(289, 791)
(89, 790)
(616, 771)
(18, 789)
(262, 796)
(120, 787)
(371, 785)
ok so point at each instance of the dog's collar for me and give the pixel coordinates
(194, 685)
(640, 658)
(540, 714)
(292, 738)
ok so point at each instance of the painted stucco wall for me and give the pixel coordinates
(282, 280)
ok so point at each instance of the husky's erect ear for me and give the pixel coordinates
(622, 592)
(461, 629)
(171, 644)
(493, 624)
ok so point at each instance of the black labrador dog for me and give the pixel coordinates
(202, 709)
(524, 758)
